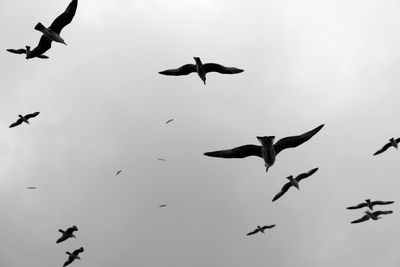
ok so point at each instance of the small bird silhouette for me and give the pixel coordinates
(168, 121)
(118, 172)
(24, 119)
(73, 256)
(372, 215)
(31, 187)
(163, 205)
(261, 229)
(370, 204)
(25, 51)
(69, 233)
(392, 142)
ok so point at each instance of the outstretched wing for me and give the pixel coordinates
(359, 206)
(65, 18)
(378, 202)
(17, 51)
(382, 212)
(294, 141)
(253, 232)
(305, 175)
(184, 70)
(364, 218)
(268, 226)
(62, 238)
(43, 45)
(238, 152)
(210, 67)
(18, 122)
(32, 115)
(284, 189)
(70, 259)
(383, 149)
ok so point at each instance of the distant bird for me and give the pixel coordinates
(31, 187)
(161, 159)
(25, 51)
(53, 32)
(162, 205)
(261, 229)
(168, 121)
(201, 69)
(267, 150)
(118, 172)
(370, 204)
(73, 256)
(69, 233)
(372, 215)
(24, 119)
(294, 182)
(392, 142)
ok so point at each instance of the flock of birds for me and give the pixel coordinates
(268, 150)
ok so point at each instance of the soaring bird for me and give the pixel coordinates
(118, 172)
(294, 182)
(267, 150)
(162, 205)
(31, 187)
(168, 121)
(52, 33)
(73, 256)
(26, 51)
(161, 159)
(261, 229)
(201, 69)
(24, 119)
(372, 215)
(392, 142)
(69, 233)
(370, 204)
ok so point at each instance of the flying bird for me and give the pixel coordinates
(370, 204)
(25, 51)
(261, 229)
(24, 119)
(69, 233)
(294, 182)
(267, 150)
(168, 121)
(31, 187)
(52, 33)
(392, 142)
(161, 159)
(372, 215)
(118, 172)
(73, 256)
(201, 69)
(162, 205)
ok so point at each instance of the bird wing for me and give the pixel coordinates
(294, 141)
(61, 239)
(184, 70)
(210, 67)
(32, 115)
(18, 122)
(382, 212)
(284, 189)
(378, 202)
(305, 175)
(253, 232)
(357, 206)
(364, 218)
(238, 152)
(17, 51)
(383, 149)
(70, 259)
(397, 140)
(65, 18)
(77, 251)
(268, 226)
(43, 45)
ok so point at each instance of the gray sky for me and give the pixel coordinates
(103, 107)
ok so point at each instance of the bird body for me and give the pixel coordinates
(24, 119)
(261, 229)
(370, 204)
(69, 233)
(372, 215)
(49, 33)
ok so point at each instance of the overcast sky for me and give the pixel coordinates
(103, 106)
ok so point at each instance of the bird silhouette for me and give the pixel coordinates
(261, 229)
(24, 119)
(372, 215)
(73, 256)
(25, 51)
(69, 233)
(370, 204)
(392, 142)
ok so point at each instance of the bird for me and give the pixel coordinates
(261, 229)
(392, 142)
(372, 215)
(201, 69)
(24, 119)
(52, 33)
(26, 52)
(267, 150)
(162, 205)
(294, 182)
(370, 204)
(69, 233)
(168, 121)
(73, 256)
(118, 172)
(161, 159)
(31, 187)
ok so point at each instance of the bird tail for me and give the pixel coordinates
(40, 27)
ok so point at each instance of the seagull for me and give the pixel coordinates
(392, 142)
(294, 182)
(168, 121)
(24, 119)
(267, 150)
(372, 215)
(25, 51)
(73, 256)
(52, 33)
(118, 172)
(261, 229)
(162, 205)
(201, 69)
(370, 204)
(69, 233)
(31, 187)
